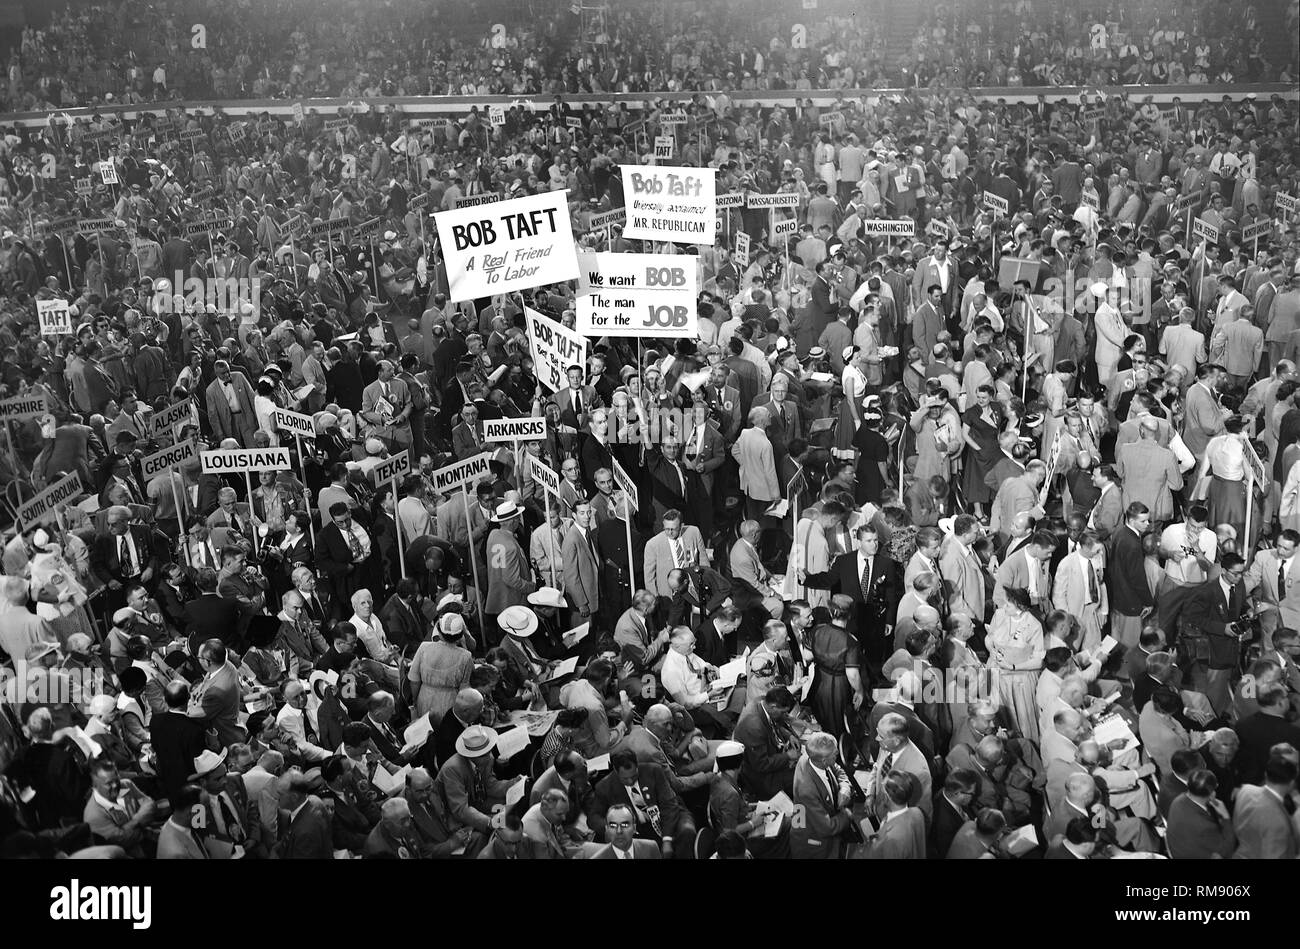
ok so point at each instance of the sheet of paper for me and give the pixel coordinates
(416, 734)
(1112, 728)
(512, 741)
(826, 378)
(390, 784)
(515, 793)
(1107, 644)
(729, 672)
(89, 748)
(1022, 841)
(563, 668)
(576, 635)
(303, 391)
(598, 763)
(807, 685)
(821, 425)
(778, 508)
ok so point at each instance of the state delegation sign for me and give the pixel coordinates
(42, 507)
(507, 245)
(554, 349)
(172, 457)
(390, 469)
(236, 460)
(295, 423)
(514, 429)
(669, 204)
(453, 476)
(637, 295)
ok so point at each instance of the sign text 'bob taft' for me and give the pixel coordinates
(670, 203)
(554, 349)
(507, 245)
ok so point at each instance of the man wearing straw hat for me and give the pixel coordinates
(467, 786)
(509, 576)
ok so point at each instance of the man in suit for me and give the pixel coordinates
(620, 830)
(1243, 347)
(582, 563)
(637, 644)
(724, 400)
(1149, 471)
(1264, 730)
(1017, 496)
(307, 824)
(928, 321)
(1078, 588)
(344, 553)
(898, 753)
(751, 582)
(952, 810)
(576, 400)
(1126, 581)
(122, 557)
(963, 574)
(753, 453)
(1108, 510)
(703, 447)
(1198, 826)
(1275, 580)
(216, 698)
(645, 788)
(509, 575)
(1210, 630)
(1026, 569)
(937, 270)
(1263, 817)
(177, 739)
(468, 787)
(467, 436)
(386, 409)
(118, 812)
(675, 486)
(927, 499)
(867, 577)
(771, 748)
(1202, 415)
(466, 528)
(784, 422)
(298, 637)
(678, 545)
(229, 399)
(822, 795)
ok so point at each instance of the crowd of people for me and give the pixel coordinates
(135, 51)
(975, 544)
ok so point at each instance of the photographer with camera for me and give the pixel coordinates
(1214, 623)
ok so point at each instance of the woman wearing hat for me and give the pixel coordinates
(1016, 651)
(441, 667)
(853, 382)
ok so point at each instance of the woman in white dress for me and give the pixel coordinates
(60, 596)
(853, 380)
(1016, 651)
(810, 553)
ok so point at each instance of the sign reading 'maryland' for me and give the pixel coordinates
(514, 429)
(507, 245)
(235, 460)
(42, 507)
(669, 204)
(637, 295)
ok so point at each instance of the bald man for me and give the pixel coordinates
(121, 557)
(394, 836)
(386, 409)
(751, 582)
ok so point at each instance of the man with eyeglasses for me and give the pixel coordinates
(1212, 630)
(229, 399)
(343, 552)
(298, 636)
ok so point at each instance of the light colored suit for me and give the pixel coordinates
(1263, 576)
(659, 557)
(1202, 419)
(1243, 347)
(1014, 496)
(963, 580)
(753, 453)
(1070, 593)
(709, 456)
(581, 571)
(817, 837)
(1016, 571)
(1264, 829)
(226, 424)
(1150, 474)
(1184, 346)
(1108, 511)
(509, 576)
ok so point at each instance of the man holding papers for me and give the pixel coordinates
(686, 677)
(468, 787)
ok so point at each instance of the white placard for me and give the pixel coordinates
(164, 421)
(391, 468)
(625, 484)
(22, 407)
(171, 457)
(232, 460)
(764, 202)
(295, 423)
(514, 429)
(637, 295)
(42, 507)
(545, 475)
(784, 228)
(904, 227)
(664, 145)
(554, 349)
(670, 204)
(54, 316)
(453, 476)
(995, 203)
(108, 173)
(1205, 230)
(507, 245)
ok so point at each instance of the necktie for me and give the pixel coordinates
(1281, 580)
(307, 730)
(866, 582)
(679, 555)
(577, 403)
(887, 764)
(234, 829)
(354, 545)
(125, 558)
(1093, 596)
(234, 522)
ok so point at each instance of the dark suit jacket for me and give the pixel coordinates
(1126, 576)
(211, 617)
(104, 555)
(766, 769)
(843, 577)
(641, 850)
(654, 788)
(817, 837)
(310, 836)
(1193, 833)
(1209, 612)
(405, 627)
(943, 828)
(177, 740)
